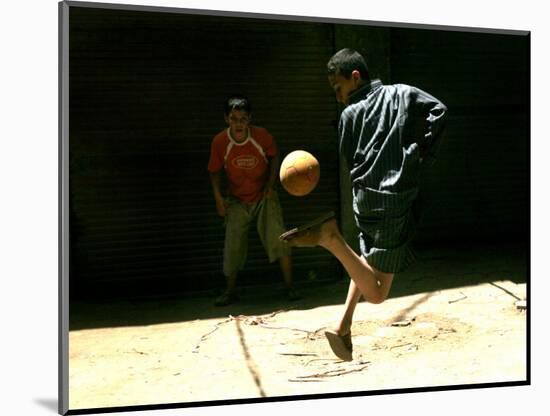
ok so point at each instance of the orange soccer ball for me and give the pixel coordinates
(299, 173)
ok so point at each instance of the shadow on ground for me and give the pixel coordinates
(436, 269)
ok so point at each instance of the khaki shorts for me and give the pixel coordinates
(269, 222)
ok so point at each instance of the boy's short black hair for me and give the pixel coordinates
(345, 61)
(237, 102)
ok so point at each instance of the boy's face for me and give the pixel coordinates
(238, 122)
(343, 86)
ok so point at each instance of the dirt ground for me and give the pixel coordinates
(452, 319)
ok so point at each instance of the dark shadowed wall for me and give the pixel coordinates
(146, 95)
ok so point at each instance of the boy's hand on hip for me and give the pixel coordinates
(268, 191)
(221, 207)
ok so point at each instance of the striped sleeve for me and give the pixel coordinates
(434, 114)
(345, 138)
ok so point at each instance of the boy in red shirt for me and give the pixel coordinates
(248, 155)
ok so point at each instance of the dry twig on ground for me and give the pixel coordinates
(331, 373)
(255, 320)
(459, 299)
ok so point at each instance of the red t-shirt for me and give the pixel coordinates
(246, 163)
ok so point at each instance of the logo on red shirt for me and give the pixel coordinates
(245, 162)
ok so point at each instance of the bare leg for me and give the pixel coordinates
(339, 338)
(286, 268)
(285, 263)
(353, 297)
(229, 295)
(373, 284)
(231, 282)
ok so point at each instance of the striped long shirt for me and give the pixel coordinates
(385, 134)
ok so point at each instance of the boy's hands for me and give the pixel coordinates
(221, 206)
(268, 191)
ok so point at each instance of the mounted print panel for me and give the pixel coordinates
(409, 268)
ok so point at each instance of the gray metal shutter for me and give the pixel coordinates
(146, 95)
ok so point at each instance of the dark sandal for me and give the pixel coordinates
(340, 344)
(317, 221)
(226, 299)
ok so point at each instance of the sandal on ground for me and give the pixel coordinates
(292, 295)
(340, 344)
(226, 299)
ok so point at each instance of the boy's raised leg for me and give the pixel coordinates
(373, 284)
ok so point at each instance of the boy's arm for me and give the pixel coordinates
(215, 180)
(346, 140)
(273, 159)
(273, 172)
(434, 112)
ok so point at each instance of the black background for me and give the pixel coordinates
(146, 95)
